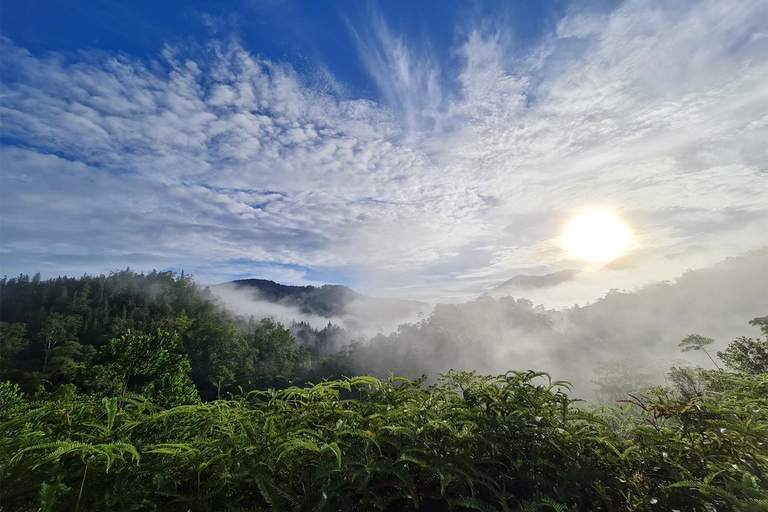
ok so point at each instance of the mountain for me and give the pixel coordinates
(329, 300)
(523, 282)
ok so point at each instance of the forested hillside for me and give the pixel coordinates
(57, 330)
(327, 301)
(59, 336)
(139, 392)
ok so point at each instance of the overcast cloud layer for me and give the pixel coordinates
(461, 174)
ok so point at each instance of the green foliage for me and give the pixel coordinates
(150, 359)
(690, 382)
(12, 342)
(277, 357)
(101, 412)
(747, 355)
(11, 397)
(510, 442)
(57, 328)
(54, 331)
(762, 322)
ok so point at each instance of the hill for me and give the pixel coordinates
(526, 282)
(328, 301)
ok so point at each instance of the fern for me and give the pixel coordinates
(467, 442)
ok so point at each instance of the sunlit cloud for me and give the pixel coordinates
(452, 179)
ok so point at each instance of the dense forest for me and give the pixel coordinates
(70, 334)
(140, 392)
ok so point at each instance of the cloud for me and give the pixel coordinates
(217, 160)
(408, 78)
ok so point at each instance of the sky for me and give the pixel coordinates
(428, 150)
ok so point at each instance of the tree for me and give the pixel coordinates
(69, 360)
(150, 363)
(172, 386)
(762, 322)
(277, 356)
(227, 359)
(56, 329)
(696, 342)
(219, 353)
(747, 355)
(12, 344)
(690, 382)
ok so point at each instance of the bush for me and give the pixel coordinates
(510, 442)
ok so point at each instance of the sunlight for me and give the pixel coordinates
(596, 235)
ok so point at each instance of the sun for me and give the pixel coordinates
(597, 236)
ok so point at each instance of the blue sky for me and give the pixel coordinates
(418, 149)
(304, 34)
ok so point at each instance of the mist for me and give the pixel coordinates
(364, 316)
(632, 331)
(645, 326)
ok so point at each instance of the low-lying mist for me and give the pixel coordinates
(630, 335)
(361, 317)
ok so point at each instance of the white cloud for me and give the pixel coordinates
(218, 159)
(408, 78)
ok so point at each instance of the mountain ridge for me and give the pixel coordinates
(527, 282)
(328, 300)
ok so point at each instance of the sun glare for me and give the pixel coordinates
(596, 236)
